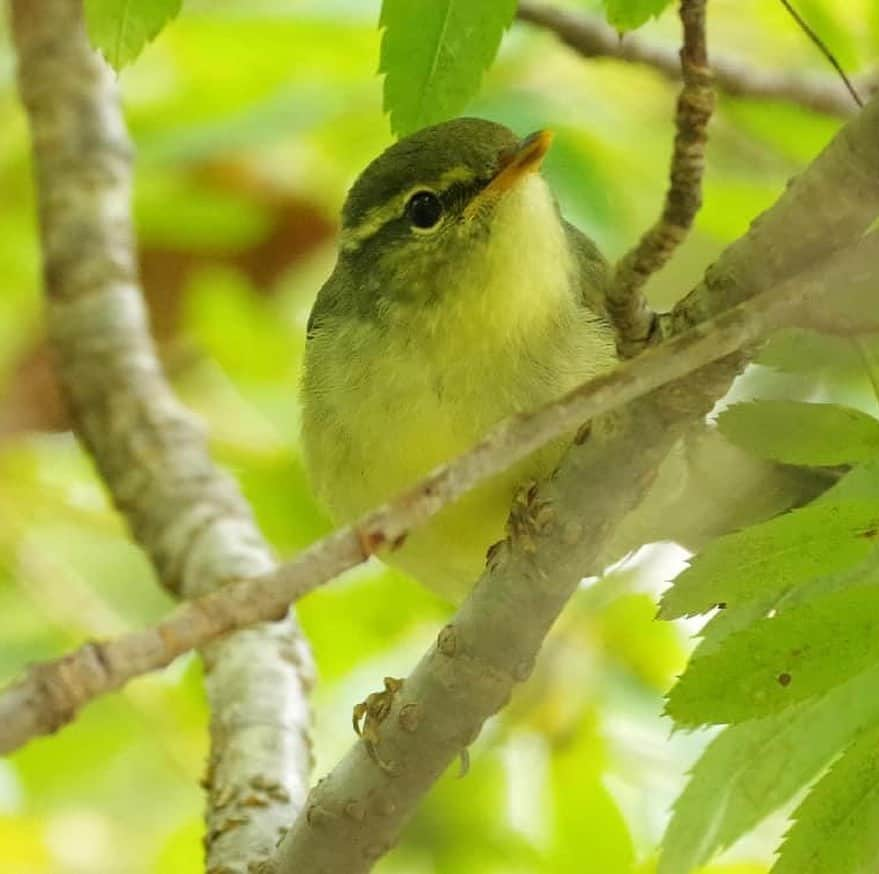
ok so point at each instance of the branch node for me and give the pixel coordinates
(447, 641)
(628, 309)
(410, 716)
(355, 809)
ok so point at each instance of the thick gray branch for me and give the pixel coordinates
(355, 814)
(187, 515)
(51, 691)
(590, 36)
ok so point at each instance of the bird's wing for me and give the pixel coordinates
(593, 269)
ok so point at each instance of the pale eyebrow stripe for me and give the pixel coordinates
(379, 216)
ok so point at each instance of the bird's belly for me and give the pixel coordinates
(405, 422)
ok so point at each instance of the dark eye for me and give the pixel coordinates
(424, 209)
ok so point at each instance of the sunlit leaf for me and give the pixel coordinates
(798, 433)
(779, 661)
(629, 14)
(121, 28)
(434, 54)
(822, 538)
(750, 770)
(836, 828)
(586, 814)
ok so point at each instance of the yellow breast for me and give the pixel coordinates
(384, 404)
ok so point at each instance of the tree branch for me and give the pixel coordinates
(590, 36)
(355, 814)
(52, 691)
(831, 203)
(626, 304)
(188, 516)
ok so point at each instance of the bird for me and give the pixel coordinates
(460, 296)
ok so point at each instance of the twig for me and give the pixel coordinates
(822, 47)
(626, 303)
(357, 811)
(189, 517)
(590, 36)
(51, 693)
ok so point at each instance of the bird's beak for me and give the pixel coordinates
(514, 165)
(519, 162)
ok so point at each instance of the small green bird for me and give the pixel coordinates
(460, 296)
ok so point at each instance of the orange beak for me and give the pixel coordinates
(524, 159)
(514, 165)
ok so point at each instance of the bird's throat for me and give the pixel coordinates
(512, 282)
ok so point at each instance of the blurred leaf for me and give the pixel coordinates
(360, 617)
(794, 350)
(836, 35)
(797, 433)
(237, 327)
(121, 28)
(629, 14)
(24, 846)
(177, 212)
(652, 650)
(861, 483)
(433, 56)
(462, 826)
(781, 660)
(750, 770)
(836, 828)
(823, 538)
(586, 815)
(182, 853)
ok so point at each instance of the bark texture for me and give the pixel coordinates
(51, 691)
(187, 515)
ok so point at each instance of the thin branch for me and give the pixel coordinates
(51, 692)
(590, 36)
(189, 517)
(360, 809)
(827, 207)
(356, 813)
(822, 47)
(626, 304)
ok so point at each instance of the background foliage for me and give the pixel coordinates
(250, 120)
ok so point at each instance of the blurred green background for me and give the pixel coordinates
(251, 119)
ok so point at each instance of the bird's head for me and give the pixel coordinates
(441, 208)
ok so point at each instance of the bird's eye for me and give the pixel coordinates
(424, 210)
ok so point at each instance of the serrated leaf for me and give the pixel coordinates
(434, 53)
(780, 661)
(731, 620)
(800, 433)
(861, 483)
(629, 14)
(836, 829)
(823, 538)
(750, 770)
(120, 29)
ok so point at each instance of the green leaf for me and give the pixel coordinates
(629, 14)
(434, 53)
(799, 433)
(823, 538)
(750, 770)
(861, 483)
(836, 828)
(781, 660)
(585, 813)
(121, 28)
